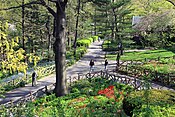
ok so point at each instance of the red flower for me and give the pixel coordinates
(108, 92)
(111, 87)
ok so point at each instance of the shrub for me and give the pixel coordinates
(95, 38)
(90, 39)
(83, 100)
(136, 103)
(21, 83)
(83, 42)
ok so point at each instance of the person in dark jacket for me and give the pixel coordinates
(34, 76)
(106, 63)
(91, 64)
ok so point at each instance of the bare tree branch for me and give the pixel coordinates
(43, 3)
(17, 1)
(14, 7)
(173, 3)
(52, 1)
(40, 2)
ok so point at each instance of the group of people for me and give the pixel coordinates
(91, 64)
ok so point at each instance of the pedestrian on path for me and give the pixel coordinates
(34, 76)
(91, 64)
(106, 63)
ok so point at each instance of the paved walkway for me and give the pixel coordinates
(82, 66)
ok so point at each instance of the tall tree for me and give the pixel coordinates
(23, 31)
(59, 44)
(60, 37)
(76, 27)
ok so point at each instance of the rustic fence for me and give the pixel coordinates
(135, 83)
(31, 96)
(141, 73)
(41, 71)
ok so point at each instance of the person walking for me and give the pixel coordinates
(106, 63)
(91, 64)
(34, 76)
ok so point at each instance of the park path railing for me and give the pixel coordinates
(167, 79)
(21, 77)
(135, 83)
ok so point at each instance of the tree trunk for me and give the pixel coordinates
(60, 50)
(95, 23)
(76, 27)
(49, 36)
(23, 40)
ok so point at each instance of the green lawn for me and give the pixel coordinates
(149, 54)
(109, 45)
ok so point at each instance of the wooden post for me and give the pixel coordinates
(26, 78)
(70, 80)
(156, 76)
(174, 57)
(135, 71)
(126, 68)
(11, 101)
(46, 90)
(135, 84)
(101, 73)
(158, 58)
(145, 59)
(13, 82)
(31, 96)
(78, 76)
(169, 80)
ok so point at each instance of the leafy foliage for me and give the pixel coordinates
(13, 57)
(83, 100)
(161, 103)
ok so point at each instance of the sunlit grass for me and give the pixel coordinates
(148, 54)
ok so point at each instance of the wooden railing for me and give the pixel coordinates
(41, 71)
(29, 97)
(136, 84)
(167, 79)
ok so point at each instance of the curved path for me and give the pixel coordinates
(82, 66)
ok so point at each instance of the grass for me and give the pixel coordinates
(148, 54)
(109, 45)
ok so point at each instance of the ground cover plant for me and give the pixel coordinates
(150, 103)
(161, 60)
(96, 97)
(163, 66)
(99, 97)
(141, 56)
